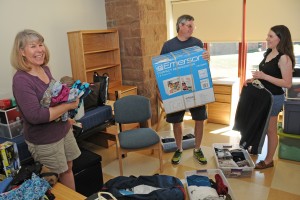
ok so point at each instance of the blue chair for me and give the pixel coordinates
(135, 109)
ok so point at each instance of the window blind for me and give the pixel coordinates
(215, 20)
(221, 20)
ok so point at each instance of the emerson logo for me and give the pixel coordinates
(178, 64)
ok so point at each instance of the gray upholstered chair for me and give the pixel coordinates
(135, 109)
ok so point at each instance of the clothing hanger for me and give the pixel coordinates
(256, 83)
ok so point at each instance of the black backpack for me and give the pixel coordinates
(25, 173)
(171, 187)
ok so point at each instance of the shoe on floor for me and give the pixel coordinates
(263, 165)
(176, 157)
(198, 154)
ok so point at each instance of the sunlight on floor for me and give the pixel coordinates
(187, 117)
(221, 130)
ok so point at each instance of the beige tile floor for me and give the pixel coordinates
(278, 183)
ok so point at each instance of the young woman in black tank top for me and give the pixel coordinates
(275, 73)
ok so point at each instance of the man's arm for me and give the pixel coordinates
(206, 55)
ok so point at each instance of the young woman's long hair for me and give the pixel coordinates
(285, 45)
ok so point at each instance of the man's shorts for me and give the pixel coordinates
(56, 155)
(198, 113)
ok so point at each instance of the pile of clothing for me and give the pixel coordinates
(231, 158)
(204, 188)
(64, 91)
(33, 181)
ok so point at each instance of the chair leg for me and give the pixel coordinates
(160, 158)
(117, 149)
(120, 164)
(119, 155)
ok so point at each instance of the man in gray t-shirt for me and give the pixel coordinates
(185, 27)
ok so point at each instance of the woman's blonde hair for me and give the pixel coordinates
(24, 37)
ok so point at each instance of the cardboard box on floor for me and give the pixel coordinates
(10, 162)
(184, 79)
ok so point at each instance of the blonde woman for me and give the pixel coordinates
(49, 141)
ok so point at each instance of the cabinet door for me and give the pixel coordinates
(225, 98)
(219, 112)
(222, 89)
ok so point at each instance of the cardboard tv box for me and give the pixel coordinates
(10, 162)
(184, 79)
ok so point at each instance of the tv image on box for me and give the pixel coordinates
(187, 83)
(177, 84)
(172, 85)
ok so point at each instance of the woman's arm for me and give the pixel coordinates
(25, 93)
(248, 81)
(57, 111)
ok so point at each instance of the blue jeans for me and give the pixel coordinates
(278, 101)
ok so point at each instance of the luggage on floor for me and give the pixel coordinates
(100, 196)
(162, 187)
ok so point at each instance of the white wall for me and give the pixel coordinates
(53, 19)
(171, 25)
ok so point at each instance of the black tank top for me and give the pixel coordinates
(271, 68)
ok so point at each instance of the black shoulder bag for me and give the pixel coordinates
(103, 90)
(99, 92)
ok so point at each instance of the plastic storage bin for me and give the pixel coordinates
(230, 171)
(289, 146)
(293, 93)
(10, 123)
(291, 117)
(171, 146)
(210, 173)
(5, 104)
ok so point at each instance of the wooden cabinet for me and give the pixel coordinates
(222, 111)
(97, 51)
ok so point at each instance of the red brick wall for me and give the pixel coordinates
(142, 30)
